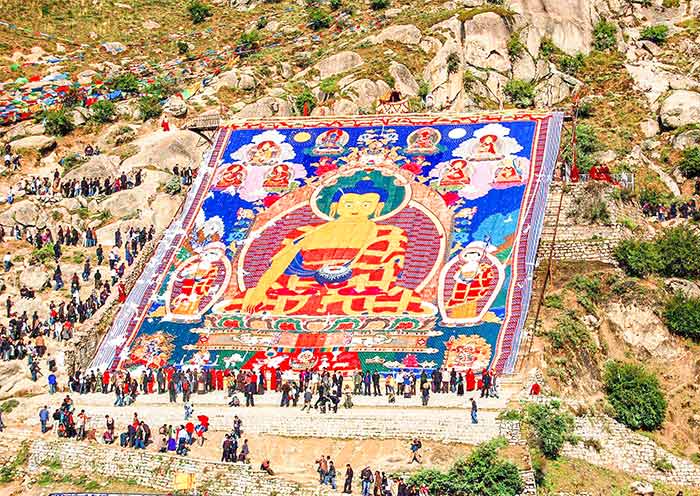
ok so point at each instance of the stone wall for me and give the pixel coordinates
(87, 336)
(158, 471)
(576, 241)
(607, 443)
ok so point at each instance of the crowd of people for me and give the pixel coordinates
(679, 210)
(371, 483)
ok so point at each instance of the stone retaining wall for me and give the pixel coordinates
(629, 452)
(158, 471)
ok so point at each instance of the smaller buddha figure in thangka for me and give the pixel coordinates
(264, 153)
(279, 178)
(456, 175)
(487, 148)
(231, 177)
(476, 282)
(331, 142)
(197, 277)
(507, 172)
(423, 141)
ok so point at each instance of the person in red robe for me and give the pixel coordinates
(122, 292)
(471, 382)
(535, 389)
(219, 380)
(165, 125)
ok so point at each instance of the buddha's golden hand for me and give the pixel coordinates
(253, 298)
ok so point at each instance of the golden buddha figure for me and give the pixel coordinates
(347, 265)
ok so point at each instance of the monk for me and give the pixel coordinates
(345, 266)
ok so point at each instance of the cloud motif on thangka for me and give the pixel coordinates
(265, 152)
(492, 160)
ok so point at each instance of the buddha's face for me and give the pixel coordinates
(353, 205)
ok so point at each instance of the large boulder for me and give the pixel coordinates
(175, 106)
(22, 129)
(22, 212)
(266, 107)
(99, 166)
(642, 329)
(124, 203)
(485, 42)
(165, 150)
(555, 87)
(39, 144)
(680, 108)
(345, 107)
(365, 92)
(401, 33)
(34, 277)
(403, 79)
(338, 63)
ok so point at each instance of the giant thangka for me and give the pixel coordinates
(388, 243)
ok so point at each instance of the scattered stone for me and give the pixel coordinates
(687, 139)
(34, 277)
(246, 82)
(650, 128)
(149, 24)
(641, 488)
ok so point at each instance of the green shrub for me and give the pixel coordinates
(468, 80)
(638, 258)
(554, 301)
(682, 316)
(329, 86)
(689, 164)
(150, 107)
(549, 427)
(379, 4)
(319, 19)
(604, 35)
(547, 47)
(483, 473)
(335, 4)
(587, 144)
(182, 47)
(520, 92)
(9, 405)
(161, 88)
(126, 82)
(173, 186)
(570, 334)
(59, 122)
(102, 111)
(43, 254)
(668, 4)
(571, 64)
(658, 33)
(452, 63)
(635, 395)
(423, 89)
(248, 40)
(515, 46)
(592, 207)
(679, 248)
(199, 11)
(305, 97)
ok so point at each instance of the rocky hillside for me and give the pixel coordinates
(628, 69)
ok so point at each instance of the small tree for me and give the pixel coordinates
(150, 107)
(182, 47)
(305, 97)
(520, 92)
(550, 427)
(635, 396)
(319, 19)
(483, 473)
(571, 64)
(452, 63)
(689, 164)
(335, 4)
(679, 248)
(199, 11)
(682, 316)
(604, 35)
(59, 122)
(102, 111)
(657, 33)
